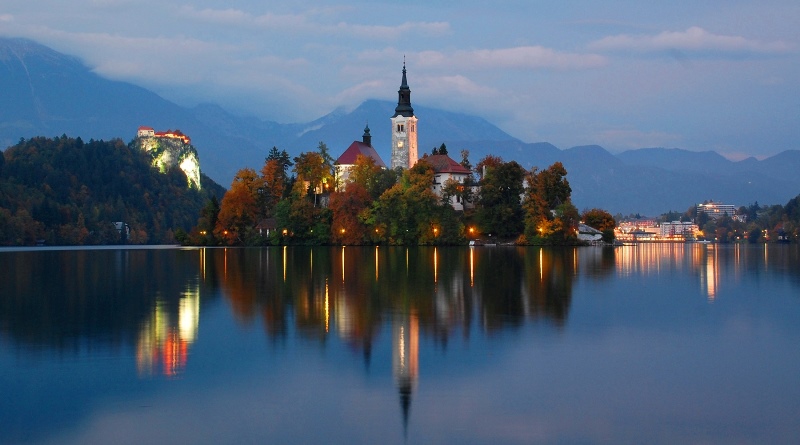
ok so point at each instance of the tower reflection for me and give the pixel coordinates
(405, 359)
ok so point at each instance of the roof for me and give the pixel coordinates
(445, 164)
(359, 148)
(145, 128)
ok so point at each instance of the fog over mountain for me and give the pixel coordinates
(46, 93)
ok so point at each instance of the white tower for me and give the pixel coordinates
(404, 128)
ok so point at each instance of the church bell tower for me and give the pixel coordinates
(404, 128)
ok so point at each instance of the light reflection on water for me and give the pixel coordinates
(393, 345)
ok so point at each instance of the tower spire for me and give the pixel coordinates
(404, 97)
(367, 138)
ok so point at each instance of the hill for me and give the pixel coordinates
(62, 191)
(48, 93)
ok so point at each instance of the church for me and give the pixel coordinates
(404, 148)
(404, 139)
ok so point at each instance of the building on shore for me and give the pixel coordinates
(716, 210)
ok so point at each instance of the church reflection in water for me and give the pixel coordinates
(357, 293)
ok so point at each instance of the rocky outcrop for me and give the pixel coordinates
(172, 152)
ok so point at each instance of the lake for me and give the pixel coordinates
(655, 343)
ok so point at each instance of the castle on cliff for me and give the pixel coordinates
(149, 132)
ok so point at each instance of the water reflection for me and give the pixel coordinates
(357, 290)
(87, 298)
(164, 339)
(401, 308)
(152, 298)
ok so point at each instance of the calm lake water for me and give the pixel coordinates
(656, 344)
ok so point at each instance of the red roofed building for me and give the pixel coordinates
(445, 168)
(148, 132)
(348, 158)
(145, 132)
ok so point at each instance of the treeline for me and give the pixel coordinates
(298, 201)
(63, 191)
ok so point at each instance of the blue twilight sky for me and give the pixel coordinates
(699, 75)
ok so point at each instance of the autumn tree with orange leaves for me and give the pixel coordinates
(239, 211)
(348, 226)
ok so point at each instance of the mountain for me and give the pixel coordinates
(46, 93)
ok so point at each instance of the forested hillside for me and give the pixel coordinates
(64, 191)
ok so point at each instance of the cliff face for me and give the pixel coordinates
(171, 152)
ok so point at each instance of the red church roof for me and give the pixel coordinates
(444, 164)
(359, 148)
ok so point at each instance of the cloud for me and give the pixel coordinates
(446, 86)
(693, 40)
(521, 57)
(306, 24)
(6, 17)
(391, 32)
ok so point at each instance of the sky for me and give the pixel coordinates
(697, 75)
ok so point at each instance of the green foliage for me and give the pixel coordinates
(63, 191)
(404, 214)
(499, 208)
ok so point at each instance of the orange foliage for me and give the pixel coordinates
(238, 209)
(346, 227)
(272, 178)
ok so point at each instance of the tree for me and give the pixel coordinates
(284, 161)
(313, 173)
(465, 159)
(602, 221)
(348, 226)
(273, 186)
(304, 223)
(488, 162)
(552, 185)
(327, 162)
(203, 234)
(550, 217)
(239, 208)
(499, 210)
(404, 214)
